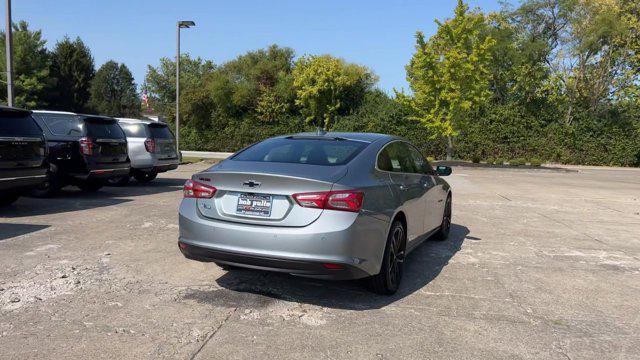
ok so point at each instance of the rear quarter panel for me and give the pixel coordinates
(379, 206)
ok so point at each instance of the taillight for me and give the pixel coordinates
(86, 146)
(198, 190)
(348, 200)
(150, 145)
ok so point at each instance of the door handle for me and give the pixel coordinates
(403, 187)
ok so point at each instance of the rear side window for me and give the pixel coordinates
(134, 130)
(18, 124)
(327, 152)
(62, 124)
(103, 129)
(397, 157)
(160, 131)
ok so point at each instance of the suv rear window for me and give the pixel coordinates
(160, 131)
(18, 124)
(62, 124)
(103, 129)
(134, 130)
(327, 152)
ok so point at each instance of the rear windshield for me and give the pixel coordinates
(160, 131)
(18, 124)
(134, 130)
(62, 124)
(103, 129)
(303, 151)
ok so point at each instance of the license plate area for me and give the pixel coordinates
(254, 204)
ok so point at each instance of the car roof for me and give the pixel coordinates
(368, 137)
(84, 116)
(54, 112)
(14, 109)
(139, 121)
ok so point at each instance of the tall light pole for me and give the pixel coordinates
(180, 25)
(8, 43)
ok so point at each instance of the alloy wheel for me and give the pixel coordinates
(396, 256)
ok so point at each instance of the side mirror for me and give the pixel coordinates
(443, 170)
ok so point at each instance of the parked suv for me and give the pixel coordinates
(22, 154)
(152, 149)
(84, 150)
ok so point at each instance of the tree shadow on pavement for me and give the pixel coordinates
(73, 199)
(422, 266)
(8, 231)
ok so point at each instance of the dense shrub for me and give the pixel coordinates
(535, 162)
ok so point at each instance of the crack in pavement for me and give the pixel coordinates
(213, 333)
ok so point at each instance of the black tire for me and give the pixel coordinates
(387, 281)
(119, 181)
(49, 188)
(445, 226)
(8, 199)
(145, 177)
(90, 186)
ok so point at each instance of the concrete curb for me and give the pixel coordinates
(206, 154)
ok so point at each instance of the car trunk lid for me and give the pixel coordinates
(21, 142)
(19, 152)
(110, 145)
(262, 195)
(165, 143)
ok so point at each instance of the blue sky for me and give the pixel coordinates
(377, 34)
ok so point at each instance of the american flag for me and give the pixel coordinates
(145, 98)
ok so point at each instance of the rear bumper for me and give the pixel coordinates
(295, 267)
(21, 179)
(353, 241)
(150, 164)
(166, 166)
(104, 171)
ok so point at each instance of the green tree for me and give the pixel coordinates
(31, 62)
(449, 74)
(261, 82)
(113, 91)
(255, 87)
(73, 68)
(327, 87)
(160, 82)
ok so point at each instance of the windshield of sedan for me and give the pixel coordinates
(327, 152)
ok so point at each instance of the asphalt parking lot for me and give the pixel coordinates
(540, 264)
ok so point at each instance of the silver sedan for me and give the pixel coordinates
(332, 206)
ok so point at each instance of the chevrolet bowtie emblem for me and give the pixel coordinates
(251, 183)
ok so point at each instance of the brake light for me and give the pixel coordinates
(150, 145)
(86, 146)
(198, 190)
(348, 200)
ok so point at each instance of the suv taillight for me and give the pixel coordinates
(198, 190)
(150, 145)
(86, 146)
(348, 200)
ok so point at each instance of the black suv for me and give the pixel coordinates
(84, 150)
(22, 154)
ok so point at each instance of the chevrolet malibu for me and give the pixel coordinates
(332, 206)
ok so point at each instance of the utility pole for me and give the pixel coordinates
(9, 51)
(178, 89)
(180, 24)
